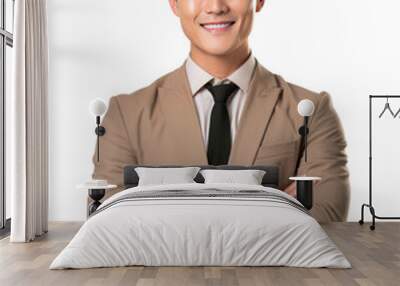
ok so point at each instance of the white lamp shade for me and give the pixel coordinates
(305, 107)
(97, 107)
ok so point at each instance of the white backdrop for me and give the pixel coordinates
(100, 48)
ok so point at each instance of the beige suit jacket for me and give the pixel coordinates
(158, 125)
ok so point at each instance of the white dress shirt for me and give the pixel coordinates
(204, 100)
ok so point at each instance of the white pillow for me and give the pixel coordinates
(161, 176)
(248, 177)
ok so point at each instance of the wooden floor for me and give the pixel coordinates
(375, 257)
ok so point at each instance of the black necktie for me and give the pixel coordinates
(219, 136)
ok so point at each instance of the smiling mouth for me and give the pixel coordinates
(218, 26)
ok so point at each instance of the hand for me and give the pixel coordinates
(291, 189)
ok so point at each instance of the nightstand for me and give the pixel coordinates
(96, 193)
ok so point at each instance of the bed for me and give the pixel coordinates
(201, 224)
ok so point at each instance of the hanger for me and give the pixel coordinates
(387, 107)
(397, 113)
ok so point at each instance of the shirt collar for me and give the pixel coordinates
(198, 77)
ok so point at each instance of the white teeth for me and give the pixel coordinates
(217, 26)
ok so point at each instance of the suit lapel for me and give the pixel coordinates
(181, 116)
(180, 113)
(259, 106)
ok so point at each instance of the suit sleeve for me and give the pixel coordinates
(327, 158)
(115, 148)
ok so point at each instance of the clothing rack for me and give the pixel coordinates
(370, 205)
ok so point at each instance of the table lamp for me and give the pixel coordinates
(97, 188)
(304, 184)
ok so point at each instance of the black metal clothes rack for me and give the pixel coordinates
(370, 205)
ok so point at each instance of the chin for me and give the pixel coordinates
(218, 49)
(218, 52)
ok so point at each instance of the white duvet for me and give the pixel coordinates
(183, 231)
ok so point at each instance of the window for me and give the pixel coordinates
(6, 44)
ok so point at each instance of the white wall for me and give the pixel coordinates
(101, 48)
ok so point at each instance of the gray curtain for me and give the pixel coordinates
(29, 123)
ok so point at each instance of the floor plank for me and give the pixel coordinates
(374, 255)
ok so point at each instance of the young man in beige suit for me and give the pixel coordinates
(171, 121)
